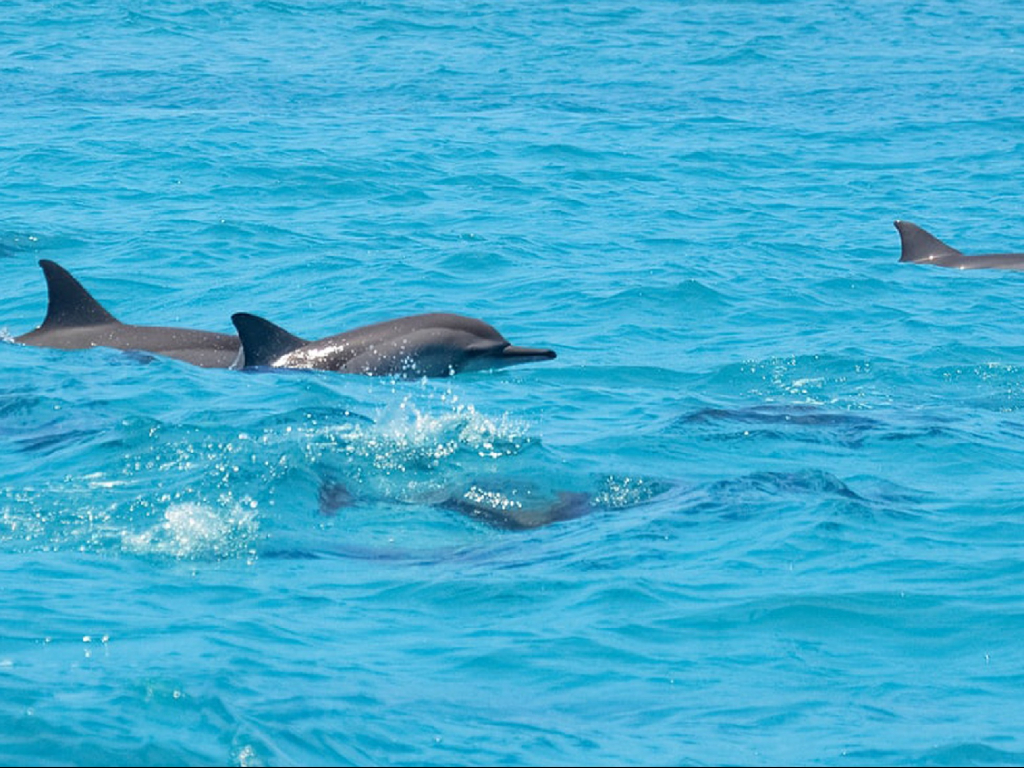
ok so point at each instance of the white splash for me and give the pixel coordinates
(192, 530)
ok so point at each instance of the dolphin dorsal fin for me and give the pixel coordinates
(262, 341)
(69, 304)
(919, 245)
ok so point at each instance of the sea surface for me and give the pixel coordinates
(795, 466)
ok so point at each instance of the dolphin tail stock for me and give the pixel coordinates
(919, 245)
(263, 341)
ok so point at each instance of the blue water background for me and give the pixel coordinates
(804, 458)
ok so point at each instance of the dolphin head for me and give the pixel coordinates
(473, 345)
(445, 351)
(443, 344)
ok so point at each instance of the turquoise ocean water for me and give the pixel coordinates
(803, 461)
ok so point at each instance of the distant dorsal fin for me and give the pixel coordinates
(262, 341)
(919, 245)
(69, 304)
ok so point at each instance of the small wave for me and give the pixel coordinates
(15, 243)
(817, 379)
(665, 299)
(969, 753)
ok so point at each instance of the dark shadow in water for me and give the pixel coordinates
(806, 423)
(734, 498)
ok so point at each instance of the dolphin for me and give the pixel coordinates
(435, 345)
(504, 509)
(921, 247)
(75, 320)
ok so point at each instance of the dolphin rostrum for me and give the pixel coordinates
(75, 320)
(436, 344)
(921, 247)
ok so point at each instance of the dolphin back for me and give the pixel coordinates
(263, 342)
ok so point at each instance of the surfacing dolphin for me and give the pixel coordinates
(921, 247)
(436, 345)
(75, 320)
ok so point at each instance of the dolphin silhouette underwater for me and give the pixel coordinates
(921, 247)
(504, 509)
(434, 345)
(75, 320)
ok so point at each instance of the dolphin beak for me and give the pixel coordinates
(512, 351)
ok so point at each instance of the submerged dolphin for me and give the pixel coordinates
(436, 344)
(75, 320)
(510, 510)
(921, 247)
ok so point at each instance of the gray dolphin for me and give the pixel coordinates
(75, 320)
(510, 510)
(921, 247)
(436, 344)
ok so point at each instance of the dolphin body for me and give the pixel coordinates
(75, 320)
(434, 345)
(510, 511)
(921, 247)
